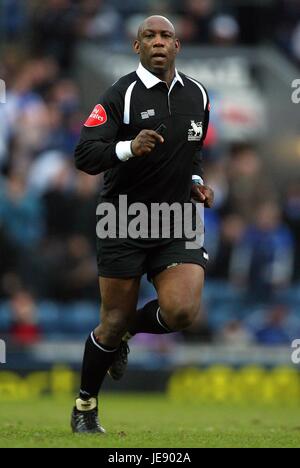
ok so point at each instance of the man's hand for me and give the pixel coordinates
(145, 142)
(203, 194)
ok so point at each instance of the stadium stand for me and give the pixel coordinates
(50, 255)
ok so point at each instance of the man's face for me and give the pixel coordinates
(157, 45)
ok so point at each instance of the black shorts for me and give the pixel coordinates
(125, 258)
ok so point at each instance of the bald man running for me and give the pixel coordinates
(146, 135)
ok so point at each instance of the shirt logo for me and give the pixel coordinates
(148, 113)
(97, 117)
(195, 133)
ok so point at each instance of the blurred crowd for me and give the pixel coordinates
(54, 26)
(47, 208)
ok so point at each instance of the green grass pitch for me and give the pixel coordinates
(150, 421)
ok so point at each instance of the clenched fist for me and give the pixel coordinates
(145, 142)
(203, 194)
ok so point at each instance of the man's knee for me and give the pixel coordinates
(113, 325)
(179, 315)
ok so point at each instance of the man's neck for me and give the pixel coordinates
(166, 76)
(168, 79)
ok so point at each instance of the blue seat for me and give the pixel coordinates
(219, 315)
(5, 317)
(79, 318)
(48, 317)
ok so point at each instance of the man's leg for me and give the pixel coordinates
(148, 319)
(179, 291)
(179, 281)
(119, 299)
(176, 271)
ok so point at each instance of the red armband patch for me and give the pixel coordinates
(97, 117)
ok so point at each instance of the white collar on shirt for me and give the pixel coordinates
(151, 80)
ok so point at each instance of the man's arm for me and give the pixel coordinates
(96, 150)
(200, 192)
(198, 166)
(198, 157)
(99, 149)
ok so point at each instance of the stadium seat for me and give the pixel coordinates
(5, 317)
(48, 317)
(79, 318)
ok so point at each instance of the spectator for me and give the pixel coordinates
(287, 13)
(21, 212)
(264, 257)
(291, 212)
(215, 175)
(100, 20)
(247, 181)
(234, 333)
(231, 233)
(8, 262)
(54, 25)
(224, 30)
(275, 332)
(75, 276)
(24, 330)
(194, 26)
(13, 19)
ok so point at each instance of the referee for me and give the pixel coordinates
(146, 135)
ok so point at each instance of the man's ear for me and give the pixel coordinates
(177, 45)
(136, 46)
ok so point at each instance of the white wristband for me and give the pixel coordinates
(123, 150)
(197, 179)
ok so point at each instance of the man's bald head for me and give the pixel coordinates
(154, 22)
(157, 46)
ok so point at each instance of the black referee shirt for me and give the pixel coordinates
(140, 101)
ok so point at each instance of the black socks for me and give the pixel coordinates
(96, 362)
(149, 320)
(98, 358)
